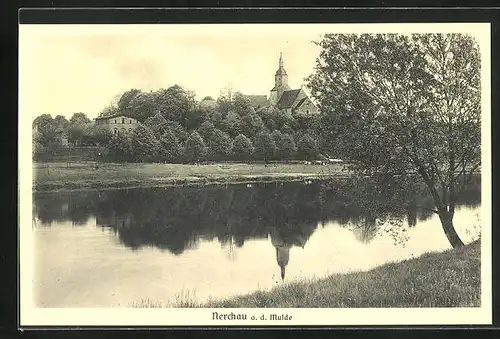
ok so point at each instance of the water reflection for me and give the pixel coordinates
(176, 219)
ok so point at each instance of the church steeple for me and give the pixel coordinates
(280, 83)
(281, 71)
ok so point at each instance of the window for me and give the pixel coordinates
(130, 121)
(123, 120)
(115, 131)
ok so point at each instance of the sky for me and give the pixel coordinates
(65, 69)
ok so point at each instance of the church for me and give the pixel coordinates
(282, 97)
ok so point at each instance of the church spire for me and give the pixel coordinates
(281, 78)
(280, 83)
(281, 69)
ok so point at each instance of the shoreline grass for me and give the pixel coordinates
(59, 177)
(446, 279)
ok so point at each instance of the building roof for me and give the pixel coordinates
(114, 116)
(257, 100)
(287, 98)
(301, 102)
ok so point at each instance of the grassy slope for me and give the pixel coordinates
(57, 176)
(447, 279)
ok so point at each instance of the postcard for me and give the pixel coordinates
(255, 174)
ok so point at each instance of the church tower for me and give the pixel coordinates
(280, 83)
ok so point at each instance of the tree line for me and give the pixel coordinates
(174, 127)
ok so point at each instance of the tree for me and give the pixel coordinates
(287, 148)
(206, 130)
(195, 117)
(170, 149)
(108, 111)
(195, 149)
(174, 103)
(283, 118)
(404, 105)
(241, 105)
(177, 129)
(307, 148)
(141, 106)
(61, 123)
(286, 129)
(219, 145)
(225, 102)
(37, 148)
(145, 146)
(232, 123)
(277, 137)
(76, 132)
(157, 123)
(123, 105)
(251, 124)
(119, 148)
(79, 118)
(43, 127)
(50, 131)
(242, 147)
(217, 141)
(265, 146)
(270, 124)
(96, 135)
(76, 128)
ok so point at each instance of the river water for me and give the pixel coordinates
(116, 248)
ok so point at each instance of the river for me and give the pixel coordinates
(115, 248)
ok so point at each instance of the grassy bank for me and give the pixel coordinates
(58, 176)
(447, 279)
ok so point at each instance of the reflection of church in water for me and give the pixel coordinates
(283, 240)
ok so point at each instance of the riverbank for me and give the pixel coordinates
(446, 279)
(58, 176)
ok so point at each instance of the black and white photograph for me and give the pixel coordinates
(255, 174)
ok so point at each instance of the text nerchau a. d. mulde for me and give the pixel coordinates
(243, 316)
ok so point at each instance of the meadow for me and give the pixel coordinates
(61, 176)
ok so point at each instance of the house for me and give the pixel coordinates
(282, 97)
(117, 123)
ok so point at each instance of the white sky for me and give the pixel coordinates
(83, 68)
(66, 70)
